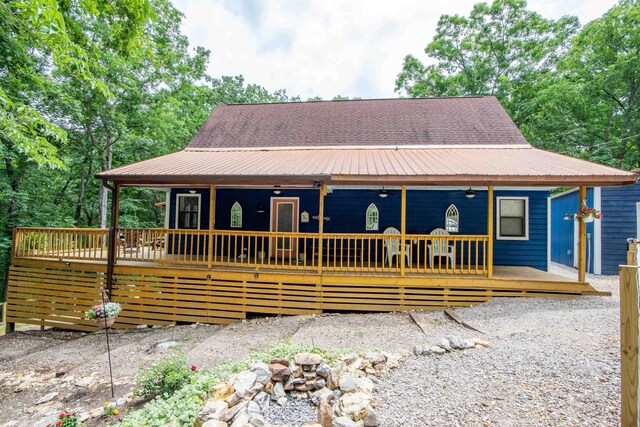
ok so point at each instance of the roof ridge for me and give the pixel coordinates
(368, 147)
(359, 100)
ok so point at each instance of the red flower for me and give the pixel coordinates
(193, 367)
(59, 423)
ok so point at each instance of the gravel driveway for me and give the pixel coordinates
(554, 362)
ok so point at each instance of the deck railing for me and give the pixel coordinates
(59, 243)
(334, 252)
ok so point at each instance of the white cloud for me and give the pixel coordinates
(326, 48)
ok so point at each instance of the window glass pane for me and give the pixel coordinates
(512, 227)
(187, 212)
(512, 208)
(285, 217)
(371, 218)
(236, 215)
(451, 219)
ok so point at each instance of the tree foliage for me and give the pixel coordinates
(590, 107)
(500, 49)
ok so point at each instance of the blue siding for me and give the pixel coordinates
(618, 224)
(425, 211)
(562, 231)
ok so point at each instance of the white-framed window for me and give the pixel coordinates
(512, 218)
(372, 217)
(188, 211)
(452, 219)
(236, 215)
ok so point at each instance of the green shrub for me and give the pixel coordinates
(164, 377)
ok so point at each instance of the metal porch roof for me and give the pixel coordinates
(525, 166)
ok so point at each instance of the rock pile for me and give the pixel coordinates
(341, 393)
(448, 344)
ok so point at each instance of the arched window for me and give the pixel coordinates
(452, 219)
(236, 215)
(372, 217)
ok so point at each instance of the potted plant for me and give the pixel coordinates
(104, 315)
(588, 214)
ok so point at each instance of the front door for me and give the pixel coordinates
(284, 219)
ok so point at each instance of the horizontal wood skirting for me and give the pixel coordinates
(52, 293)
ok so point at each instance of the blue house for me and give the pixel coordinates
(305, 207)
(606, 238)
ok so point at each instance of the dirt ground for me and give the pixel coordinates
(34, 363)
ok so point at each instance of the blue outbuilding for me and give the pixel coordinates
(606, 238)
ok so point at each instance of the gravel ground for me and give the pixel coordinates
(293, 413)
(554, 362)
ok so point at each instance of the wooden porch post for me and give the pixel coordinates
(113, 246)
(631, 252)
(212, 223)
(490, 232)
(582, 239)
(403, 229)
(323, 192)
(10, 327)
(629, 345)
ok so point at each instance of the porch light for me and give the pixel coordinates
(568, 216)
(261, 209)
(276, 189)
(470, 194)
(383, 193)
(192, 191)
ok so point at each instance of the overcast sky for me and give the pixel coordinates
(331, 47)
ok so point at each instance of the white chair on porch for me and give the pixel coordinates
(393, 248)
(440, 247)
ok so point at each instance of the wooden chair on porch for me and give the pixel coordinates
(440, 247)
(393, 248)
(131, 240)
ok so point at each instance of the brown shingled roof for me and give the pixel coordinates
(394, 122)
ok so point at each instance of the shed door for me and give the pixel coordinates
(284, 219)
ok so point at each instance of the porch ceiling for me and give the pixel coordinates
(380, 165)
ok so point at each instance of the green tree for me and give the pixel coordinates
(39, 41)
(590, 107)
(501, 49)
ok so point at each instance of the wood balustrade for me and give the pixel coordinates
(59, 243)
(341, 252)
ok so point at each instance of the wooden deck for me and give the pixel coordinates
(57, 292)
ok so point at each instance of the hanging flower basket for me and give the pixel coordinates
(104, 322)
(588, 214)
(103, 315)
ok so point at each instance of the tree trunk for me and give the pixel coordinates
(103, 191)
(84, 180)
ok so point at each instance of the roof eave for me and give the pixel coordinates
(463, 179)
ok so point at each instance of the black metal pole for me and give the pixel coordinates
(111, 251)
(106, 332)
